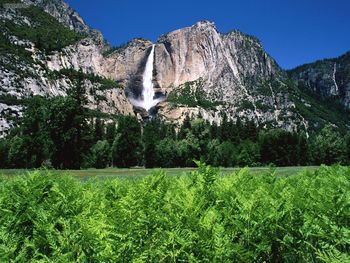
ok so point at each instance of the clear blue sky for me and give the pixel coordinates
(294, 32)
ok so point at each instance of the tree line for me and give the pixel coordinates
(62, 133)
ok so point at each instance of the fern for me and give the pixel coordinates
(198, 217)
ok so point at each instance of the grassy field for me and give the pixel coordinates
(135, 173)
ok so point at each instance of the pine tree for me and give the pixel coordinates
(347, 147)
(111, 131)
(151, 136)
(185, 128)
(69, 129)
(99, 130)
(303, 149)
(127, 147)
(34, 132)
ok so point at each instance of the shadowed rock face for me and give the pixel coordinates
(328, 78)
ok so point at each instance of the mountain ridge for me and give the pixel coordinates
(70, 18)
(221, 73)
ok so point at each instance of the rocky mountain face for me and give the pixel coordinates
(330, 78)
(204, 72)
(70, 18)
(200, 70)
(228, 69)
(41, 56)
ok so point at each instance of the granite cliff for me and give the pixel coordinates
(199, 70)
(329, 78)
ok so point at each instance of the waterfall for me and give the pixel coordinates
(148, 99)
(148, 91)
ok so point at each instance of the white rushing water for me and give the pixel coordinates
(147, 100)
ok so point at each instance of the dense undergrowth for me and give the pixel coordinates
(200, 217)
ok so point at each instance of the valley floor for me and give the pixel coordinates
(133, 173)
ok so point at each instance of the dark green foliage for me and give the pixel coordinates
(52, 131)
(187, 150)
(263, 107)
(4, 150)
(201, 132)
(4, 2)
(18, 153)
(328, 147)
(246, 105)
(46, 33)
(111, 132)
(66, 133)
(303, 149)
(151, 136)
(185, 128)
(158, 139)
(63, 133)
(100, 155)
(99, 130)
(320, 111)
(226, 152)
(347, 145)
(11, 100)
(199, 217)
(30, 146)
(73, 75)
(177, 153)
(167, 153)
(248, 154)
(191, 95)
(69, 129)
(35, 133)
(7, 49)
(226, 133)
(127, 146)
(279, 147)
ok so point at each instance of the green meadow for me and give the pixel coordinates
(110, 173)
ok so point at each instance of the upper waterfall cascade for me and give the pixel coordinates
(148, 99)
